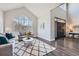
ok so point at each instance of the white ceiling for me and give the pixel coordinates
(9, 6)
(39, 9)
(63, 7)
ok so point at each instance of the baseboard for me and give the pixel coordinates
(42, 38)
(45, 39)
(52, 39)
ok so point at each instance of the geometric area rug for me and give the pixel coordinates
(38, 48)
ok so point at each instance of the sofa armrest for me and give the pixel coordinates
(6, 50)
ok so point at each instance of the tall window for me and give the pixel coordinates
(22, 23)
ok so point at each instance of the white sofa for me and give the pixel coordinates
(7, 49)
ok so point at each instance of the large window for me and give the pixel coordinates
(23, 20)
(22, 23)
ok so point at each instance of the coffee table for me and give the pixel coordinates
(27, 42)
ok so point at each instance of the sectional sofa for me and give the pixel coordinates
(7, 49)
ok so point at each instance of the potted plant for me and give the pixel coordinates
(27, 34)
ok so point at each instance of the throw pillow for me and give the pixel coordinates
(9, 35)
(3, 40)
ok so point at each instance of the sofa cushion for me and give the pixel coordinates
(6, 50)
(3, 40)
(21, 34)
(9, 35)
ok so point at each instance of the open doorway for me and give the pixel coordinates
(60, 28)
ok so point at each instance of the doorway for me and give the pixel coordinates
(60, 26)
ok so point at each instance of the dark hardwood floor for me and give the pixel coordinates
(65, 47)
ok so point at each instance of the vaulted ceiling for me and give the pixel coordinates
(40, 8)
(36, 8)
(9, 6)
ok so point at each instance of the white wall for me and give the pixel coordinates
(42, 11)
(1, 21)
(58, 12)
(45, 18)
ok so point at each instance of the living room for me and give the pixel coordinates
(19, 21)
(38, 29)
